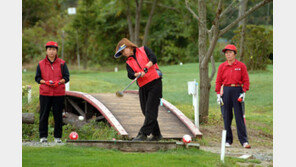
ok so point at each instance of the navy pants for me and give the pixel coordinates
(230, 96)
(56, 103)
(150, 95)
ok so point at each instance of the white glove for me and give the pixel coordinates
(219, 99)
(242, 96)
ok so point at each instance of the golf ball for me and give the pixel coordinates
(81, 118)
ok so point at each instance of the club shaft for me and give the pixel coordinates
(131, 83)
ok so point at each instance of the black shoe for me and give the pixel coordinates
(156, 138)
(140, 137)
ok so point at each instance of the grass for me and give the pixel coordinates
(63, 156)
(259, 117)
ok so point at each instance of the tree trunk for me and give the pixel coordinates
(242, 23)
(137, 24)
(129, 22)
(203, 68)
(149, 23)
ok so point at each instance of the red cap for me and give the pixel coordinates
(52, 44)
(229, 47)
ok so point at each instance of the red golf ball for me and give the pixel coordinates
(73, 136)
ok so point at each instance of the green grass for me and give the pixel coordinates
(63, 156)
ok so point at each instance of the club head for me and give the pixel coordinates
(119, 94)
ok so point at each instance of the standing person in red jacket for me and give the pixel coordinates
(233, 78)
(52, 74)
(142, 61)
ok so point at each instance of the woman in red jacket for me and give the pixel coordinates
(231, 84)
(142, 61)
(52, 74)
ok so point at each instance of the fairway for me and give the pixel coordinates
(69, 156)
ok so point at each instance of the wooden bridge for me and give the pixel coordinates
(125, 115)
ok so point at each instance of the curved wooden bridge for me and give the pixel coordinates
(125, 115)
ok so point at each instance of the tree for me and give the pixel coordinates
(207, 40)
(241, 11)
(135, 33)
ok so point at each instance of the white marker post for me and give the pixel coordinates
(116, 69)
(67, 86)
(193, 90)
(29, 93)
(223, 145)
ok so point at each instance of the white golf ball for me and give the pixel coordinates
(81, 118)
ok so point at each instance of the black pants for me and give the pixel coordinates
(230, 96)
(56, 103)
(150, 95)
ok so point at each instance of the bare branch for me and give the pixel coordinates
(149, 23)
(192, 12)
(227, 9)
(218, 12)
(227, 28)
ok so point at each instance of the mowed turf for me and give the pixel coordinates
(70, 156)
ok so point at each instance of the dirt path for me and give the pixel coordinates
(262, 145)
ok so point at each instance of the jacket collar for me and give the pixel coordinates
(47, 59)
(234, 63)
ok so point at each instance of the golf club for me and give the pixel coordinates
(120, 93)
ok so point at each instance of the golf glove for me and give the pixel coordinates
(242, 96)
(219, 99)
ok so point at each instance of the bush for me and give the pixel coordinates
(258, 46)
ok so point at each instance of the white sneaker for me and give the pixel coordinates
(43, 140)
(57, 140)
(227, 145)
(246, 145)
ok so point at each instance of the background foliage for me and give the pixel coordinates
(99, 24)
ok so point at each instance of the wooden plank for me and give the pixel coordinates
(78, 109)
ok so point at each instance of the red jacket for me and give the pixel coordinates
(232, 74)
(51, 72)
(139, 65)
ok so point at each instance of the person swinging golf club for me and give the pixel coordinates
(141, 66)
(231, 84)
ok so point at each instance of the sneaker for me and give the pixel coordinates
(57, 140)
(227, 144)
(246, 145)
(43, 140)
(140, 137)
(156, 138)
